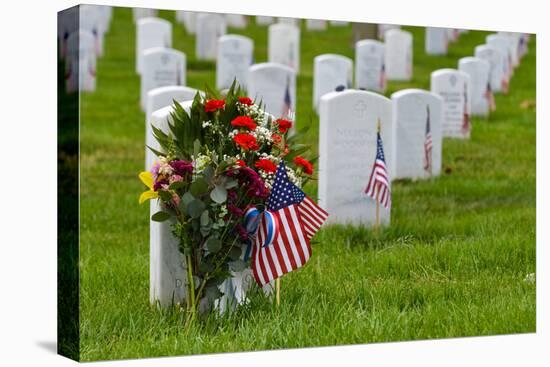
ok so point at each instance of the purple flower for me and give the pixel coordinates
(241, 231)
(252, 182)
(236, 211)
(160, 185)
(182, 168)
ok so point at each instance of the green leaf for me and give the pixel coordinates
(187, 198)
(213, 244)
(165, 195)
(177, 185)
(206, 266)
(231, 183)
(196, 147)
(160, 216)
(195, 208)
(208, 173)
(237, 265)
(234, 253)
(219, 194)
(199, 187)
(204, 218)
(212, 293)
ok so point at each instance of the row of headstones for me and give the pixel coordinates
(348, 127)
(160, 65)
(375, 63)
(81, 30)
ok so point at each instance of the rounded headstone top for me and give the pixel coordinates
(268, 65)
(414, 91)
(353, 92)
(164, 113)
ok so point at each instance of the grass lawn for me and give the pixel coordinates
(452, 263)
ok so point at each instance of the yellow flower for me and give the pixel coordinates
(147, 178)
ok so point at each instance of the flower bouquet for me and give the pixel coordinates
(215, 175)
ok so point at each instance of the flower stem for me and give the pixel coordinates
(191, 283)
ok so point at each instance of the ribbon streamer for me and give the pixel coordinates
(252, 219)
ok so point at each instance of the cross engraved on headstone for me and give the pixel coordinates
(359, 109)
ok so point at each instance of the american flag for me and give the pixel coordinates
(379, 184)
(489, 95)
(287, 102)
(466, 114)
(298, 218)
(428, 144)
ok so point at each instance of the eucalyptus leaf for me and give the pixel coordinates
(234, 253)
(219, 194)
(195, 208)
(199, 187)
(204, 218)
(231, 183)
(212, 293)
(187, 198)
(160, 216)
(237, 265)
(213, 244)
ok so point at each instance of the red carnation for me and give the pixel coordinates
(244, 121)
(284, 125)
(212, 105)
(240, 163)
(301, 161)
(276, 138)
(246, 141)
(266, 165)
(245, 100)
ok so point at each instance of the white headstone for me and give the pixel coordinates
(264, 20)
(151, 33)
(347, 151)
(283, 44)
(417, 113)
(316, 24)
(161, 67)
(140, 13)
(330, 72)
(210, 27)
(189, 20)
(106, 16)
(91, 20)
(80, 62)
(292, 21)
(513, 43)
(370, 66)
(235, 56)
(167, 273)
(436, 41)
(399, 54)
(339, 23)
(496, 62)
(382, 28)
(236, 21)
(168, 280)
(156, 99)
(478, 70)
(273, 84)
(454, 87)
(67, 23)
(502, 43)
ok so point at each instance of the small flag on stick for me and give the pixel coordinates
(428, 143)
(378, 187)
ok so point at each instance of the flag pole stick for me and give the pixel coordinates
(377, 223)
(278, 291)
